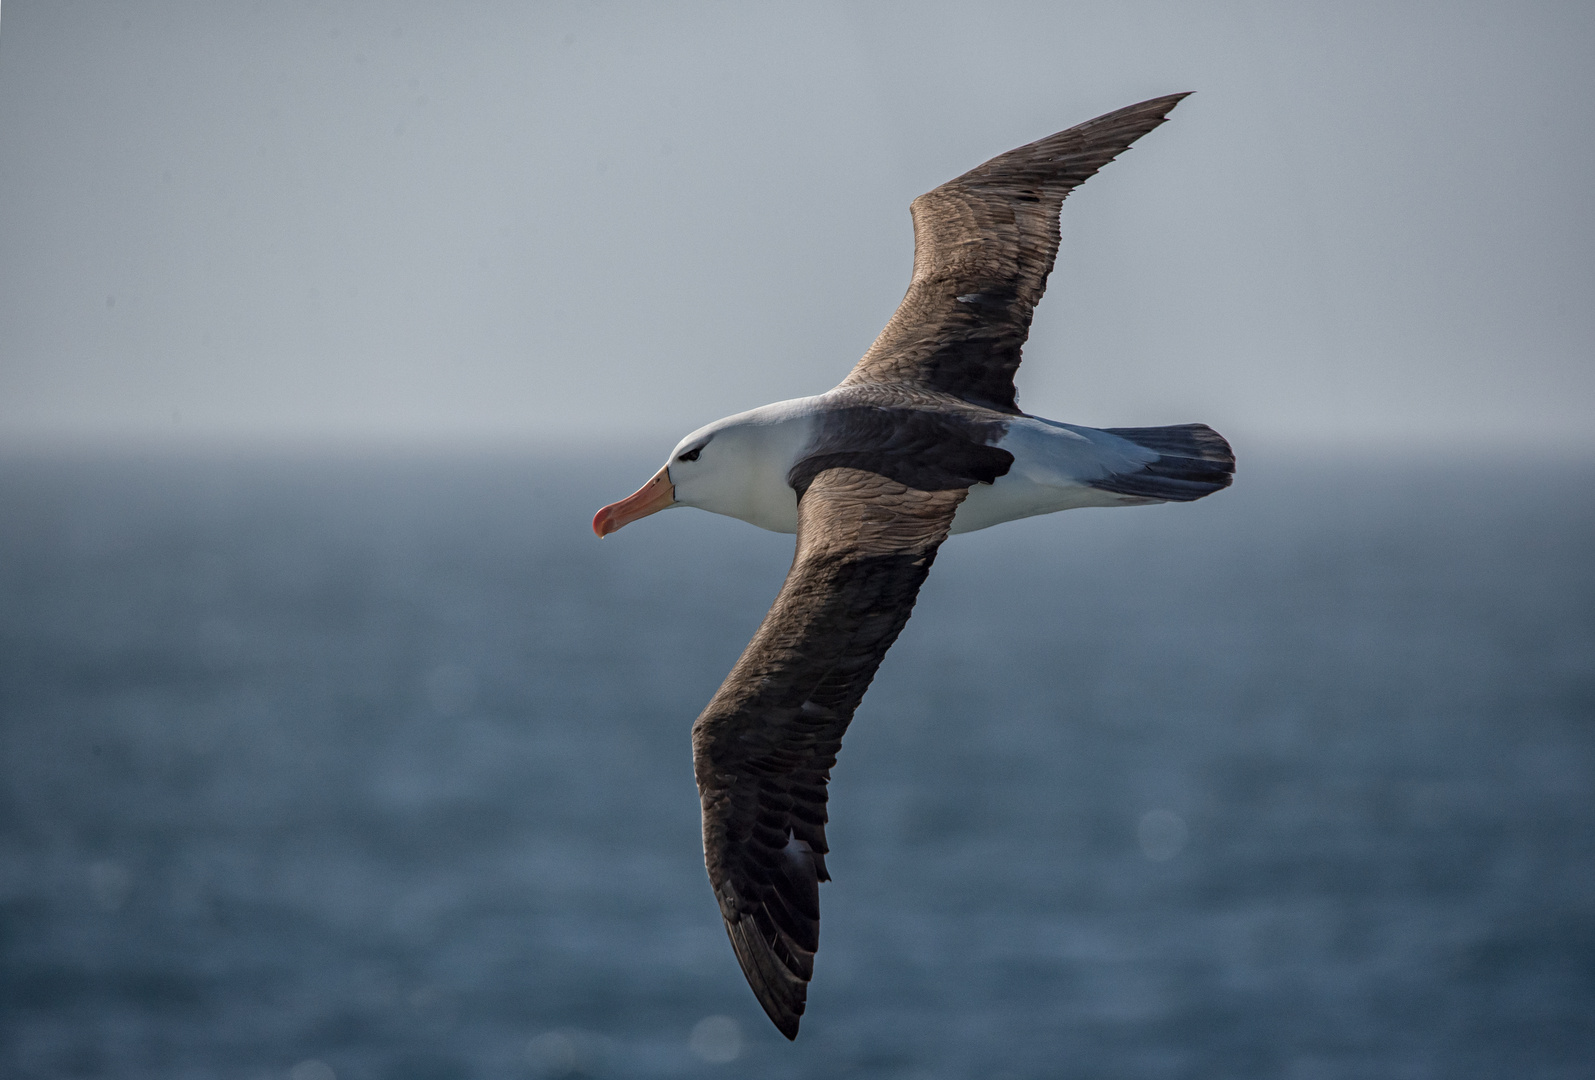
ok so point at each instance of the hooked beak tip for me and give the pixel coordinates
(652, 497)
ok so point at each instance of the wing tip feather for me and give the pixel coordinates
(782, 994)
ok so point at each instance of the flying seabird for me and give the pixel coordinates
(922, 439)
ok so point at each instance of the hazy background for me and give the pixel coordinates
(329, 751)
(545, 222)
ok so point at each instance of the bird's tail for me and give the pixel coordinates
(1193, 460)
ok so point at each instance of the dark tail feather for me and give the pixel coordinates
(1193, 461)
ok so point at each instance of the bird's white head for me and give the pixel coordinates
(737, 466)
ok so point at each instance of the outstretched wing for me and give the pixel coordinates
(983, 247)
(764, 747)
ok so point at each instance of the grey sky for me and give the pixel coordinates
(535, 222)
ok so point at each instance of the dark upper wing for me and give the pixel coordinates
(983, 247)
(764, 747)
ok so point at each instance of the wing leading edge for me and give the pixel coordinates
(764, 747)
(984, 244)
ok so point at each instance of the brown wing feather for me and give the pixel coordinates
(764, 747)
(983, 247)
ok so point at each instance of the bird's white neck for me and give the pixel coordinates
(742, 472)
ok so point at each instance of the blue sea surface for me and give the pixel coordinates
(379, 768)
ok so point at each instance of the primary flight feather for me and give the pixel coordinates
(923, 438)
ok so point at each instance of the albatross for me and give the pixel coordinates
(923, 438)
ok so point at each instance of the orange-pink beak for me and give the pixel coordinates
(652, 497)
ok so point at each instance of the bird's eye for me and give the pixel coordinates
(691, 455)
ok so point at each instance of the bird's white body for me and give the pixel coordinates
(745, 460)
(1051, 467)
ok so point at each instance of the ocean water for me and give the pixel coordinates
(373, 768)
